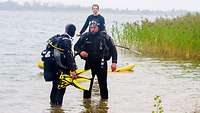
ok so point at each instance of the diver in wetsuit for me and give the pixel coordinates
(96, 48)
(58, 59)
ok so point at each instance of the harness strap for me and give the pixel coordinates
(62, 37)
(60, 49)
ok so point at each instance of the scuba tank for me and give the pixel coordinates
(49, 65)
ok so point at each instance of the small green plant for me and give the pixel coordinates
(158, 107)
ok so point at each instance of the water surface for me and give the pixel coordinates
(23, 90)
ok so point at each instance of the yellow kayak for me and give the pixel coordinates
(129, 67)
(40, 64)
(125, 68)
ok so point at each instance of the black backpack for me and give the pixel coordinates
(53, 56)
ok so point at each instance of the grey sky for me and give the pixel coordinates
(192, 5)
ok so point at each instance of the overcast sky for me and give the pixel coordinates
(192, 5)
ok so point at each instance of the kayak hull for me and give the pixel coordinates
(129, 67)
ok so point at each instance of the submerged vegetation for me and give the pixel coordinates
(158, 107)
(172, 38)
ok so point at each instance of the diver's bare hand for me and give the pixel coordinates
(73, 75)
(78, 34)
(84, 54)
(113, 66)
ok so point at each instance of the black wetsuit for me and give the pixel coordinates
(99, 19)
(56, 96)
(90, 43)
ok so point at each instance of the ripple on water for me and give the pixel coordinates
(23, 91)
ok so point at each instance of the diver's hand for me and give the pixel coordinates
(73, 75)
(113, 66)
(78, 34)
(83, 54)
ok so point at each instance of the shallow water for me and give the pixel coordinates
(23, 90)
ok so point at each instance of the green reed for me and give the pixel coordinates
(173, 38)
(158, 106)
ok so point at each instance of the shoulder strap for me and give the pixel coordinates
(66, 36)
(105, 35)
(85, 35)
(58, 39)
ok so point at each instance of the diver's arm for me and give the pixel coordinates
(70, 59)
(72, 65)
(103, 24)
(113, 51)
(77, 46)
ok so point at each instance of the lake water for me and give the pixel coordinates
(23, 89)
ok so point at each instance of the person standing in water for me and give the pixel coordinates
(94, 17)
(96, 48)
(58, 59)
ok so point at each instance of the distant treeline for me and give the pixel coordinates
(38, 6)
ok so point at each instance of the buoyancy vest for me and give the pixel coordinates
(54, 56)
(97, 46)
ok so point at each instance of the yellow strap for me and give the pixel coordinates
(67, 80)
(56, 47)
(77, 85)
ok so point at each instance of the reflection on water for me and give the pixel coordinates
(95, 104)
(55, 109)
(95, 107)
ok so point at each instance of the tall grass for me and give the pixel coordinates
(175, 38)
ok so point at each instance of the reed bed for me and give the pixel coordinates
(172, 38)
